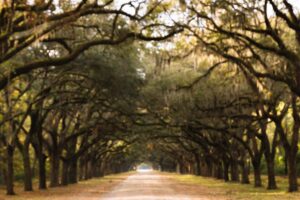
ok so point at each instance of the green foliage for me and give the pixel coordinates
(115, 70)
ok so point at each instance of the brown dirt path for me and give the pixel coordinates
(159, 186)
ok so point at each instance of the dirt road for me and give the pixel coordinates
(156, 186)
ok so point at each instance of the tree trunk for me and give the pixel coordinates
(256, 160)
(292, 173)
(10, 171)
(102, 168)
(97, 172)
(219, 170)
(269, 157)
(94, 169)
(90, 169)
(64, 175)
(181, 167)
(208, 167)
(37, 142)
(81, 169)
(73, 171)
(257, 173)
(292, 154)
(54, 170)
(285, 166)
(86, 170)
(42, 171)
(226, 171)
(198, 165)
(271, 174)
(234, 171)
(4, 173)
(27, 169)
(245, 173)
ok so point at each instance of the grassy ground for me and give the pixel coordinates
(91, 190)
(236, 191)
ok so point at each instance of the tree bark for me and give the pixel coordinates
(269, 153)
(37, 142)
(226, 170)
(102, 168)
(219, 170)
(292, 154)
(86, 170)
(234, 171)
(42, 171)
(73, 171)
(89, 169)
(292, 173)
(257, 173)
(64, 175)
(4, 173)
(54, 169)
(271, 174)
(208, 167)
(10, 171)
(245, 173)
(27, 169)
(198, 165)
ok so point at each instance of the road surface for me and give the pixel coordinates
(154, 186)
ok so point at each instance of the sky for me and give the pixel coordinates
(295, 2)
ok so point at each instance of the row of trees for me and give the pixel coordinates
(66, 107)
(69, 119)
(235, 99)
(229, 127)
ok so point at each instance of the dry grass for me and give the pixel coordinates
(236, 191)
(85, 190)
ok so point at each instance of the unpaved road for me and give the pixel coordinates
(156, 186)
